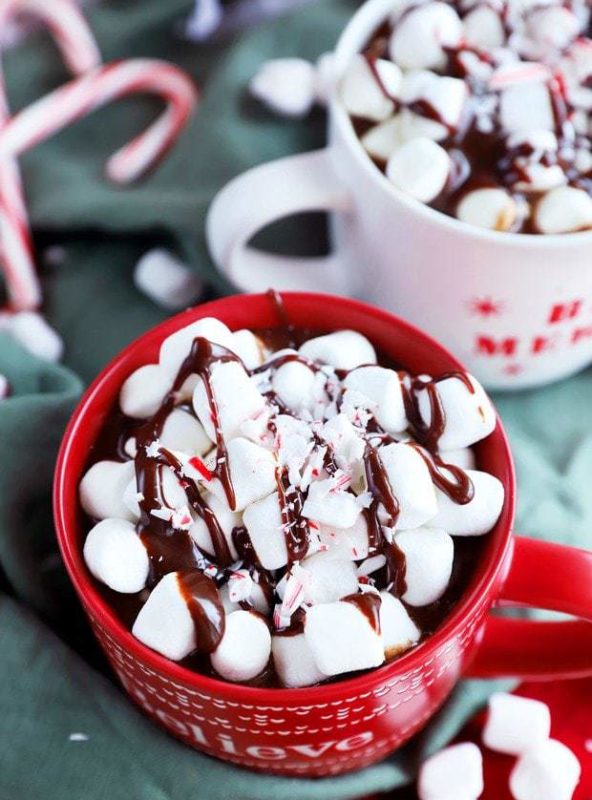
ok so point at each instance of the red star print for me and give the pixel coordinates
(512, 369)
(486, 307)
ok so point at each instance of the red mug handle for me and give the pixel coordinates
(549, 576)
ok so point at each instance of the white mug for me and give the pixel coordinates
(515, 308)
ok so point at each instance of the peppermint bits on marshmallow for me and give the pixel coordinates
(276, 509)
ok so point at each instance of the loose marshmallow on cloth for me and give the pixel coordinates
(341, 638)
(397, 629)
(419, 168)
(342, 350)
(164, 622)
(166, 280)
(4, 387)
(286, 86)
(143, 391)
(547, 771)
(328, 578)
(252, 473)
(115, 555)
(263, 521)
(468, 412)
(361, 93)
(236, 396)
(32, 331)
(293, 661)
(429, 556)
(454, 773)
(515, 724)
(476, 517)
(102, 490)
(410, 480)
(245, 648)
(383, 387)
(419, 38)
(176, 347)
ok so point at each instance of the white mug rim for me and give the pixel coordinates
(368, 16)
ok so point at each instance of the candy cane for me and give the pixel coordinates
(96, 88)
(79, 52)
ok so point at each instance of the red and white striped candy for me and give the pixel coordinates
(79, 52)
(100, 86)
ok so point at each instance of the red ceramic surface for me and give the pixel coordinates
(346, 725)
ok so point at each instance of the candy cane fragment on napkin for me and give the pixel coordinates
(79, 51)
(81, 96)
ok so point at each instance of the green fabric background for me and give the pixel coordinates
(53, 681)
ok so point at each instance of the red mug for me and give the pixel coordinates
(342, 726)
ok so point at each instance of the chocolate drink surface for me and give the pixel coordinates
(481, 111)
(289, 511)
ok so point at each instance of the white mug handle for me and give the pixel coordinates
(264, 194)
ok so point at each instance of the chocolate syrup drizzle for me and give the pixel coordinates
(482, 158)
(172, 549)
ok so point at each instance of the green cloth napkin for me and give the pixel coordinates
(66, 731)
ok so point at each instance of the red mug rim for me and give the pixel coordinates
(94, 602)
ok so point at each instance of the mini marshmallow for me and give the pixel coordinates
(383, 387)
(411, 483)
(102, 489)
(346, 543)
(328, 578)
(342, 350)
(263, 521)
(464, 458)
(166, 280)
(515, 724)
(341, 638)
(383, 139)
(115, 555)
(563, 210)
(469, 414)
(525, 106)
(245, 648)
(549, 29)
(227, 520)
(488, 208)
(176, 347)
(236, 396)
(454, 773)
(181, 431)
(419, 38)
(293, 661)
(164, 623)
(548, 771)
(32, 331)
(483, 28)
(429, 555)
(143, 391)
(294, 384)
(398, 630)
(4, 387)
(286, 86)
(415, 126)
(419, 168)
(249, 348)
(446, 96)
(252, 473)
(540, 178)
(328, 504)
(477, 516)
(362, 94)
